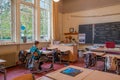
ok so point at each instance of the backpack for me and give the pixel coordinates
(110, 63)
(22, 56)
(90, 59)
(118, 67)
(55, 55)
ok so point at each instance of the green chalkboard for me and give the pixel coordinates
(104, 32)
(87, 29)
(101, 32)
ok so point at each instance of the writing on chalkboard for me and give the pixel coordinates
(101, 33)
(104, 32)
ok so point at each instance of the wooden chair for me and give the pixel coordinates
(25, 77)
(64, 56)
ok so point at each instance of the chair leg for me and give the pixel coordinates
(118, 67)
(105, 66)
(5, 74)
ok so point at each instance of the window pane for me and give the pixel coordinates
(5, 20)
(45, 18)
(32, 1)
(26, 16)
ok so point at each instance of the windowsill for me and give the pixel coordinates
(44, 41)
(26, 43)
(13, 43)
(8, 43)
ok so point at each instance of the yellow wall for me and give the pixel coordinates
(15, 48)
(57, 20)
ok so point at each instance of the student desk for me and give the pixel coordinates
(112, 55)
(111, 50)
(63, 54)
(60, 76)
(98, 75)
(64, 47)
(97, 53)
(47, 54)
(87, 74)
(45, 78)
(117, 62)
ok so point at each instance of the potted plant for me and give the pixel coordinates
(24, 37)
(23, 33)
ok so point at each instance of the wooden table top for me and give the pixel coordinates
(87, 74)
(97, 53)
(117, 50)
(51, 48)
(112, 55)
(43, 51)
(62, 50)
(2, 61)
(98, 75)
(44, 78)
(60, 76)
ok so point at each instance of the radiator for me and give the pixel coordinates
(10, 59)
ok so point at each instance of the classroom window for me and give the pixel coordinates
(26, 19)
(5, 20)
(45, 19)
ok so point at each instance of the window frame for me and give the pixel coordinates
(11, 27)
(29, 4)
(49, 19)
(15, 21)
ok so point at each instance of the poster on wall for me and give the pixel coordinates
(82, 38)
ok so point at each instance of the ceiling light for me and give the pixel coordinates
(56, 0)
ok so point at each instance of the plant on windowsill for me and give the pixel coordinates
(25, 36)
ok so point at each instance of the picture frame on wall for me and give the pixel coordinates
(71, 30)
(82, 38)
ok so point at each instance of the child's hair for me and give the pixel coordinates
(36, 42)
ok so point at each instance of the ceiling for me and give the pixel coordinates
(79, 5)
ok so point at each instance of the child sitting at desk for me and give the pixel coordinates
(36, 54)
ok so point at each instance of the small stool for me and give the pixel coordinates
(25, 77)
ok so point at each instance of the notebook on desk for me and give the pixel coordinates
(71, 71)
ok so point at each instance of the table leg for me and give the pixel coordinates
(5, 74)
(52, 64)
(3, 70)
(105, 68)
